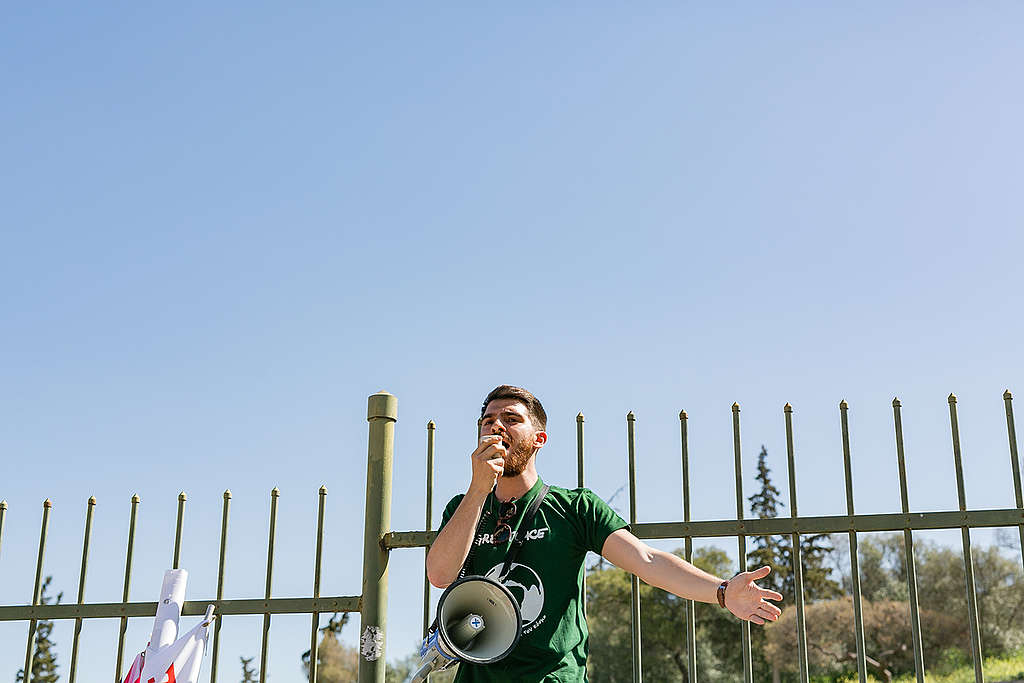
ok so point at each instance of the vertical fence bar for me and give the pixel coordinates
(798, 569)
(748, 667)
(381, 413)
(634, 582)
(579, 449)
(316, 584)
(220, 583)
(858, 613)
(579, 484)
(691, 628)
(177, 530)
(275, 493)
(428, 523)
(29, 653)
(90, 506)
(965, 532)
(127, 585)
(908, 545)
(1011, 433)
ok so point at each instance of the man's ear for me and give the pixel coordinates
(539, 439)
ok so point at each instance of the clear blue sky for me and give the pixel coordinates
(224, 227)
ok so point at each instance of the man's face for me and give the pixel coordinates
(508, 417)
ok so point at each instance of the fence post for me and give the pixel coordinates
(381, 413)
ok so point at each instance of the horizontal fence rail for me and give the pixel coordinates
(191, 608)
(779, 526)
(379, 540)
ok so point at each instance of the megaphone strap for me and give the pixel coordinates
(524, 526)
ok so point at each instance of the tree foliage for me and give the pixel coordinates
(831, 643)
(662, 619)
(777, 551)
(44, 659)
(339, 663)
(336, 661)
(249, 675)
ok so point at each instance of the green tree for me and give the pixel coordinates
(831, 646)
(999, 583)
(248, 673)
(773, 551)
(44, 659)
(336, 662)
(777, 551)
(662, 619)
(941, 582)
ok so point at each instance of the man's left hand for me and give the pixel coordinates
(748, 601)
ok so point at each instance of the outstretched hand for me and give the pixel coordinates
(748, 601)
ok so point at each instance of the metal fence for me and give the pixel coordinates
(379, 540)
(795, 526)
(371, 603)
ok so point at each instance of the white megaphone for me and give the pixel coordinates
(478, 621)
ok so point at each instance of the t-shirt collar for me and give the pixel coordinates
(524, 502)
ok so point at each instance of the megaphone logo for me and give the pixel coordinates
(478, 621)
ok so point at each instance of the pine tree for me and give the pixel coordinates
(248, 673)
(773, 551)
(44, 660)
(777, 551)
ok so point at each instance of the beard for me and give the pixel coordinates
(519, 454)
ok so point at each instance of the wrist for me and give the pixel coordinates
(720, 593)
(477, 495)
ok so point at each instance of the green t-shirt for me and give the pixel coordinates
(547, 579)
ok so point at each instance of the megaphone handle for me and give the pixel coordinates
(422, 674)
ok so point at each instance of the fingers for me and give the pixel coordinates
(759, 573)
(488, 461)
(761, 615)
(490, 448)
(770, 595)
(488, 442)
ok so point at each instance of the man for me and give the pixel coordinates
(547, 576)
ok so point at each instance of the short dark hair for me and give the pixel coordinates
(533, 407)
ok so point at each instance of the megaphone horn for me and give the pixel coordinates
(478, 621)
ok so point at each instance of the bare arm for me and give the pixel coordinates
(452, 544)
(449, 550)
(675, 575)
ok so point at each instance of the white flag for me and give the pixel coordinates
(179, 662)
(176, 663)
(166, 660)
